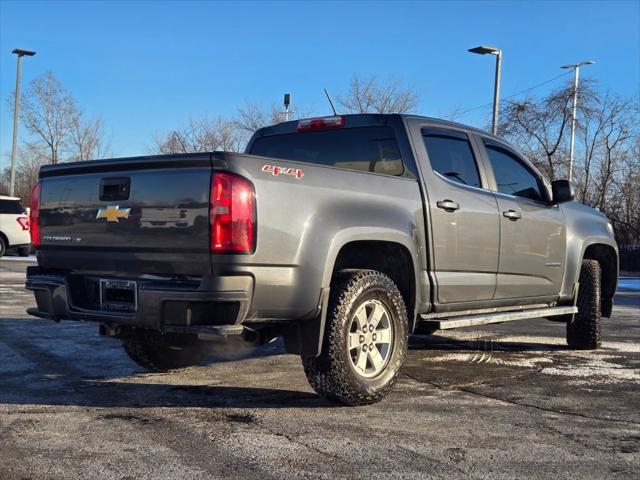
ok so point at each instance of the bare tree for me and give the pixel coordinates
(49, 113)
(620, 128)
(31, 156)
(540, 126)
(201, 135)
(369, 95)
(253, 116)
(52, 118)
(87, 140)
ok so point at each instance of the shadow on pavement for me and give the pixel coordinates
(485, 341)
(107, 394)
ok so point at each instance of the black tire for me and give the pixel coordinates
(3, 247)
(333, 374)
(583, 333)
(24, 251)
(160, 358)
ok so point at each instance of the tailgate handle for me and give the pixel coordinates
(115, 188)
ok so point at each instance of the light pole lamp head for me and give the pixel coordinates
(577, 65)
(484, 49)
(23, 53)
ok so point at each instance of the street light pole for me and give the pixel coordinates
(496, 93)
(483, 50)
(576, 70)
(16, 115)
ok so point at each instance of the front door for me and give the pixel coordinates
(464, 218)
(532, 231)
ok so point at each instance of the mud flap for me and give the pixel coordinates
(305, 337)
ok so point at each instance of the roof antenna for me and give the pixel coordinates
(330, 102)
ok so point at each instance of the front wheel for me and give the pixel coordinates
(365, 340)
(583, 332)
(160, 358)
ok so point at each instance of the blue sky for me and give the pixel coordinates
(145, 67)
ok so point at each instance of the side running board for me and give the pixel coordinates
(495, 317)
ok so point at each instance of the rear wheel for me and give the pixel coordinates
(3, 247)
(365, 340)
(583, 333)
(160, 358)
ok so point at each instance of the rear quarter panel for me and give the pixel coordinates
(304, 222)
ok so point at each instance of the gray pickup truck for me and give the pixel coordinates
(342, 234)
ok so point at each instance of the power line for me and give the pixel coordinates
(516, 94)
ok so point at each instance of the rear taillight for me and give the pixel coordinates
(34, 215)
(24, 223)
(232, 214)
(322, 123)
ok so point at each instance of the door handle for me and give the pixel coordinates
(448, 205)
(512, 215)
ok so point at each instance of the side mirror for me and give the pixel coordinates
(562, 191)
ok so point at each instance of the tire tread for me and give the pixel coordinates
(584, 332)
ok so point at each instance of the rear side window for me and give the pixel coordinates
(11, 206)
(451, 156)
(368, 149)
(512, 176)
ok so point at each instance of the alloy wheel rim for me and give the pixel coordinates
(370, 338)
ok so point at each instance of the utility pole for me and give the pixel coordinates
(16, 115)
(576, 71)
(483, 50)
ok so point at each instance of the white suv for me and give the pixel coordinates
(14, 226)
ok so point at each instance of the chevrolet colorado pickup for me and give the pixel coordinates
(342, 234)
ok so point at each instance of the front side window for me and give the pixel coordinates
(451, 156)
(512, 176)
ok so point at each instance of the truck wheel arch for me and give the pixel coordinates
(390, 252)
(391, 257)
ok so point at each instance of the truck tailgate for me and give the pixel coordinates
(146, 215)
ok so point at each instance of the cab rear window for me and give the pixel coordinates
(368, 149)
(12, 207)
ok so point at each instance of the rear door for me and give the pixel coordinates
(464, 216)
(532, 231)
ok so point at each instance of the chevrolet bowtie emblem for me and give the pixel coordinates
(113, 213)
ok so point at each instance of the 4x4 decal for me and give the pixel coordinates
(276, 170)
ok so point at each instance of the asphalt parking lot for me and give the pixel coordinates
(506, 401)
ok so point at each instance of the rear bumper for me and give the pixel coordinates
(216, 305)
(16, 237)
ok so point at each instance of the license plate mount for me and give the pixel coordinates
(118, 295)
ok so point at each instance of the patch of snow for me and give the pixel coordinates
(17, 258)
(597, 369)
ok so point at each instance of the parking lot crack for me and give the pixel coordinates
(295, 440)
(467, 389)
(549, 410)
